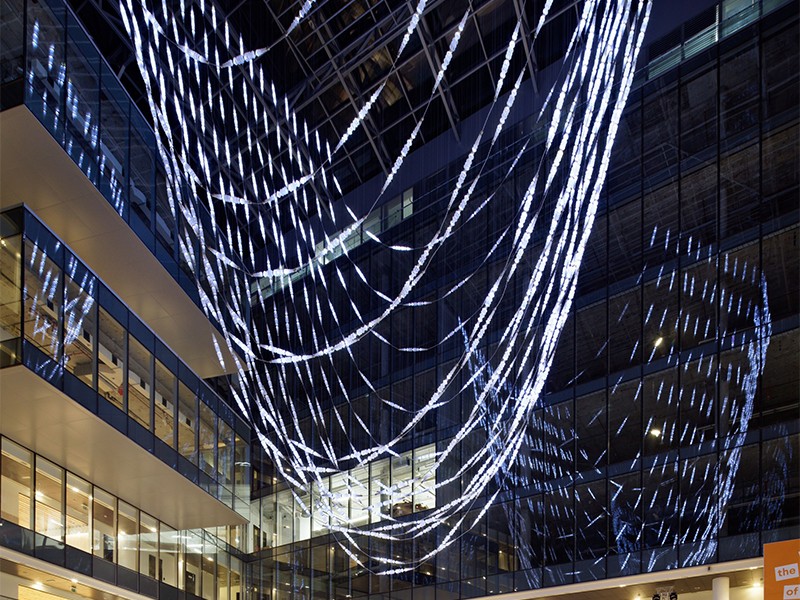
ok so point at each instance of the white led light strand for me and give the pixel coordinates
(230, 143)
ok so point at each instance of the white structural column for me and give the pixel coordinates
(721, 588)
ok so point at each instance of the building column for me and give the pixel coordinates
(721, 588)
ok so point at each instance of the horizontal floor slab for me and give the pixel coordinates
(35, 170)
(37, 415)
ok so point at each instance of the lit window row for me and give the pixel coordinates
(81, 339)
(36, 494)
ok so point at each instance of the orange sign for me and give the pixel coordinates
(782, 570)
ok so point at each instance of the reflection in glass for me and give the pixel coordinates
(15, 485)
(104, 525)
(148, 545)
(10, 296)
(111, 360)
(193, 548)
(164, 408)
(140, 385)
(207, 440)
(79, 495)
(241, 467)
(80, 322)
(42, 301)
(49, 506)
(128, 535)
(187, 423)
(225, 453)
(209, 568)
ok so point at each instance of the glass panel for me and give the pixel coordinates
(169, 555)
(424, 478)
(80, 323)
(590, 520)
(49, 508)
(223, 573)
(104, 525)
(111, 360)
(225, 453)
(660, 410)
(46, 68)
(408, 203)
(625, 242)
(699, 207)
(660, 317)
(13, 36)
(82, 106)
(624, 324)
(236, 578)
(268, 531)
(10, 288)
(114, 138)
(285, 517)
(739, 92)
(42, 301)
(165, 404)
(698, 309)
(661, 507)
(16, 483)
(698, 114)
(591, 342)
(141, 173)
(128, 535)
(359, 496)
(624, 508)
(738, 193)
(624, 421)
(79, 495)
(699, 491)
(208, 440)
(780, 171)
(148, 545)
(698, 401)
(193, 558)
(591, 435)
(380, 500)
(187, 422)
(401, 498)
(340, 501)
(241, 469)
(165, 219)
(140, 383)
(209, 568)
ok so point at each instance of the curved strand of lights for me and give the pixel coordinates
(231, 144)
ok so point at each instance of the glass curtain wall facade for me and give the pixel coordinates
(639, 458)
(56, 516)
(50, 64)
(65, 325)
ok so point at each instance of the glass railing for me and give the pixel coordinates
(729, 17)
(61, 518)
(50, 64)
(60, 321)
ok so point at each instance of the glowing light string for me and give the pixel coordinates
(216, 153)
